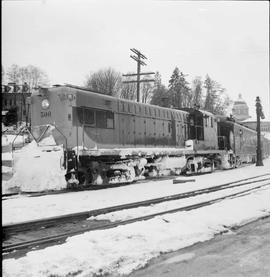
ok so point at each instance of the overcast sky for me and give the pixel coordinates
(69, 39)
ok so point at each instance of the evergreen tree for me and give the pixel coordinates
(178, 86)
(210, 99)
(160, 95)
(216, 100)
(197, 92)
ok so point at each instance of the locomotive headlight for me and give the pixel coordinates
(70, 97)
(45, 104)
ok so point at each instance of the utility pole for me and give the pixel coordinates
(260, 114)
(138, 58)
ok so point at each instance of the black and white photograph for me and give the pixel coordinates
(135, 138)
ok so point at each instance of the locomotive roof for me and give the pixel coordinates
(229, 121)
(86, 91)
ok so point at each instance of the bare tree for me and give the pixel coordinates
(106, 81)
(13, 74)
(30, 74)
(33, 76)
(128, 90)
(147, 91)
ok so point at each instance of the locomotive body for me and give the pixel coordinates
(97, 120)
(240, 139)
(96, 128)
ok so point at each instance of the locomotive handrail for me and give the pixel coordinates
(43, 133)
(62, 135)
(46, 129)
(25, 128)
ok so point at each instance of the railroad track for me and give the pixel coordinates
(24, 226)
(95, 187)
(8, 247)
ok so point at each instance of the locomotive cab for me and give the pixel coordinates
(195, 130)
(202, 129)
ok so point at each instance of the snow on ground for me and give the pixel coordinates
(126, 248)
(29, 208)
(174, 204)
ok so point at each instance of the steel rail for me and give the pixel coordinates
(29, 225)
(63, 236)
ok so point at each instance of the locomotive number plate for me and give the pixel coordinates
(45, 114)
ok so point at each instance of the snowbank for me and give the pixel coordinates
(126, 248)
(38, 168)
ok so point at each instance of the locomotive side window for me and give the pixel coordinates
(212, 122)
(136, 109)
(80, 115)
(89, 117)
(196, 127)
(101, 119)
(169, 127)
(93, 118)
(110, 120)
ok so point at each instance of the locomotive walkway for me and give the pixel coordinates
(50, 231)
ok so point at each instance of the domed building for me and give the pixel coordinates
(240, 109)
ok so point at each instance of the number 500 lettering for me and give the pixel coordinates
(45, 114)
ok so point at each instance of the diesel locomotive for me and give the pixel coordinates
(110, 140)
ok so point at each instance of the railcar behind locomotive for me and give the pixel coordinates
(109, 140)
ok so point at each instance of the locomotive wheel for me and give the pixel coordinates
(82, 179)
(76, 181)
(237, 162)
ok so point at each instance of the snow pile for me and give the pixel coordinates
(38, 168)
(8, 139)
(126, 248)
(47, 141)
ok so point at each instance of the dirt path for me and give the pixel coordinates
(244, 252)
